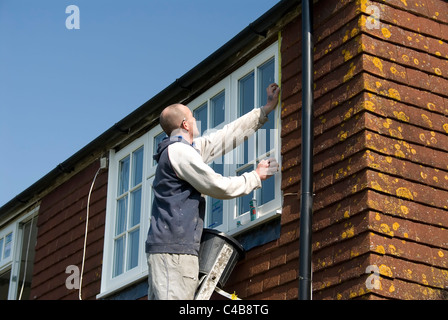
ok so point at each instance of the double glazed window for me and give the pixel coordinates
(238, 94)
(128, 212)
(132, 170)
(17, 242)
(211, 115)
(252, 92)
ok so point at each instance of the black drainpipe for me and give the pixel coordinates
(306, 196)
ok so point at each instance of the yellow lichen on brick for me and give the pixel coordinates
(377, 62)
(386, 33)
(386, 229)
(404, 193)
(401, 116)
(350, 72)
(445, 127)
(404, 209)
(385, 270)
(426, 120)
(380, 249)
(393, 93)
(347, 55)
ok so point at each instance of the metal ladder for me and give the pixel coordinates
(208, 283)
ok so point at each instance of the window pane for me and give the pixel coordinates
(267, 191)
(157, 139)
(137, 167)
(243, 202)
(122, 208)
(1, 249)
(217, 109)
(246, 104)
(123, 176)
(246, 94)
(5, 279)
(265, 134)
(8, 245)
(136, 201)
(265, 78)
(215, 210)
(118, 256)
(200, 115)
(133, 249)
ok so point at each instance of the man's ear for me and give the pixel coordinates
(186, 125)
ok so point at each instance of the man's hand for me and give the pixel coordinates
(273, 91)
(267, 168)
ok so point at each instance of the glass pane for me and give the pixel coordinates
(267, 191)
(5, 279)
(118, 256)
(200, 115)
(265, 134)
(246, 94)
(136, 201)
(217, 109)
(265, 78)
(133, 249)
(8, 245)
(123, 176)
(122, 208)
(243, 202)
(246, 104)
(215, 210)
(1, 249)
(137, 167)
(157, 139)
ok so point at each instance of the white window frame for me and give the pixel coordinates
(233, 223)
(13, 262)
(9, 230)
(110, 284)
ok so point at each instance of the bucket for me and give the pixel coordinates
(212, 242)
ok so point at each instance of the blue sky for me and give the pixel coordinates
(61, 88)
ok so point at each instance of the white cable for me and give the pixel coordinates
(85, 235)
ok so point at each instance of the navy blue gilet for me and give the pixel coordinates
(178, 209)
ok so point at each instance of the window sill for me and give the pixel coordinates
(113, 289)
(255, 223)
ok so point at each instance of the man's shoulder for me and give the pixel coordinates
(182, 150)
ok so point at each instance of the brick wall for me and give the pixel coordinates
(61, 229)
(380, 166)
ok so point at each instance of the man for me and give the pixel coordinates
(182, 176)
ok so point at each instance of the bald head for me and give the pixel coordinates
(172, 116)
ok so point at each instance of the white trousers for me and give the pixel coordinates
(172, 276)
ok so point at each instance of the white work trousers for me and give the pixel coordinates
(172, 276)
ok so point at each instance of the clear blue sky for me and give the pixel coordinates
(61, 88)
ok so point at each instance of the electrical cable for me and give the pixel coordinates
(85, 235)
